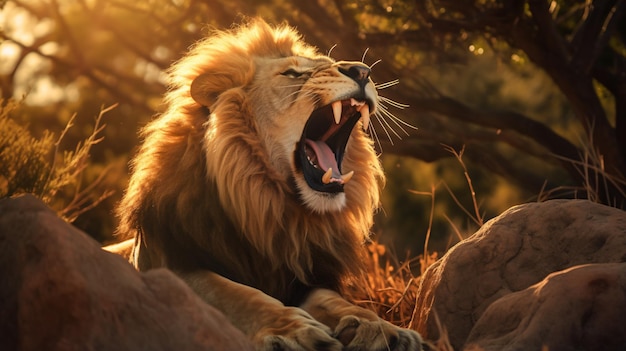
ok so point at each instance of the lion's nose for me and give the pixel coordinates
(359, 72)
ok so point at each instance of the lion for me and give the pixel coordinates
(257, 186)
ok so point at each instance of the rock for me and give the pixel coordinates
(511, 252)
(60, 291)
(580, 308)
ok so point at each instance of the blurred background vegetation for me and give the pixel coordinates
(526, 99)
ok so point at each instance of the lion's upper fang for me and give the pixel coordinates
(361, 106)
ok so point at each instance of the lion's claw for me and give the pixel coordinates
(365, 335)
(295, 343)
(297, 332)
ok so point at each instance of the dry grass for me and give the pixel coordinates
(599, 185)
(389, 287)
(67, 169)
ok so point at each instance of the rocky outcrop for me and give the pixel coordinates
(513, 252)
(60, 291)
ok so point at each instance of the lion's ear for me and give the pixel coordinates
(203, 89)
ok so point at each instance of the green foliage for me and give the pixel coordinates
(36, 165)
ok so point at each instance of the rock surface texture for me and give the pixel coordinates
(60, 291)
(511, 285)
(580, 308)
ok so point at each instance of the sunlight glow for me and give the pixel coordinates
(148, 71)
(476, 50)
(49, 48)
(44, 92)
(8, 56)
(31, 80)
(15, 21)
(516, 58)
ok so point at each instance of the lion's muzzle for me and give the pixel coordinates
(322, 146)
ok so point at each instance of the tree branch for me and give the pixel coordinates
(536, 131)
(481, 155)
(578, 89)
(549, 33)
(591, 37)
(114, 90)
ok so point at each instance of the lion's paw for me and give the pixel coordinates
(361, 334)
(296, 330)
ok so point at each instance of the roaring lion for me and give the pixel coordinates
(257, 186)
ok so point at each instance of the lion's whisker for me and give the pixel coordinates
(290, 86)
(375, 63)
(375, 136)
(300, 95)
(382, 113)
(365, 54)
(289, 96)
(399, 122)
(390, 124)
(331, 50)
(380, 122)
(389, 116)
(393, 103)
(386, 85)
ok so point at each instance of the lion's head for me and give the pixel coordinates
(304, 108)
(264, 132)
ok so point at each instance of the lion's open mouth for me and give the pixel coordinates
(323, 143)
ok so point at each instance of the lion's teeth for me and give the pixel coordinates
(337, 111)
(346, 177)
(365, 116)
(326, 177)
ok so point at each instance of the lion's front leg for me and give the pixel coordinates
(356, 327)
(269, 324)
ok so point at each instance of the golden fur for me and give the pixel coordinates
(214, 187)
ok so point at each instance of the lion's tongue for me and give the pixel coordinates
(325, 157)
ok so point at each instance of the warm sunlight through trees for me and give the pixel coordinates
(533, 91)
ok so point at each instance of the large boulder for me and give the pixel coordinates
(510, 253)
(60, 291)
(580, 308)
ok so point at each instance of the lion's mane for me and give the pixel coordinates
(204, 195)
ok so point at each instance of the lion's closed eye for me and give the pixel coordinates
(293, 73)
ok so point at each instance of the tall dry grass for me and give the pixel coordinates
(599, 185)
(389, 286)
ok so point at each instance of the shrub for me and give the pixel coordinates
(37, 165)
